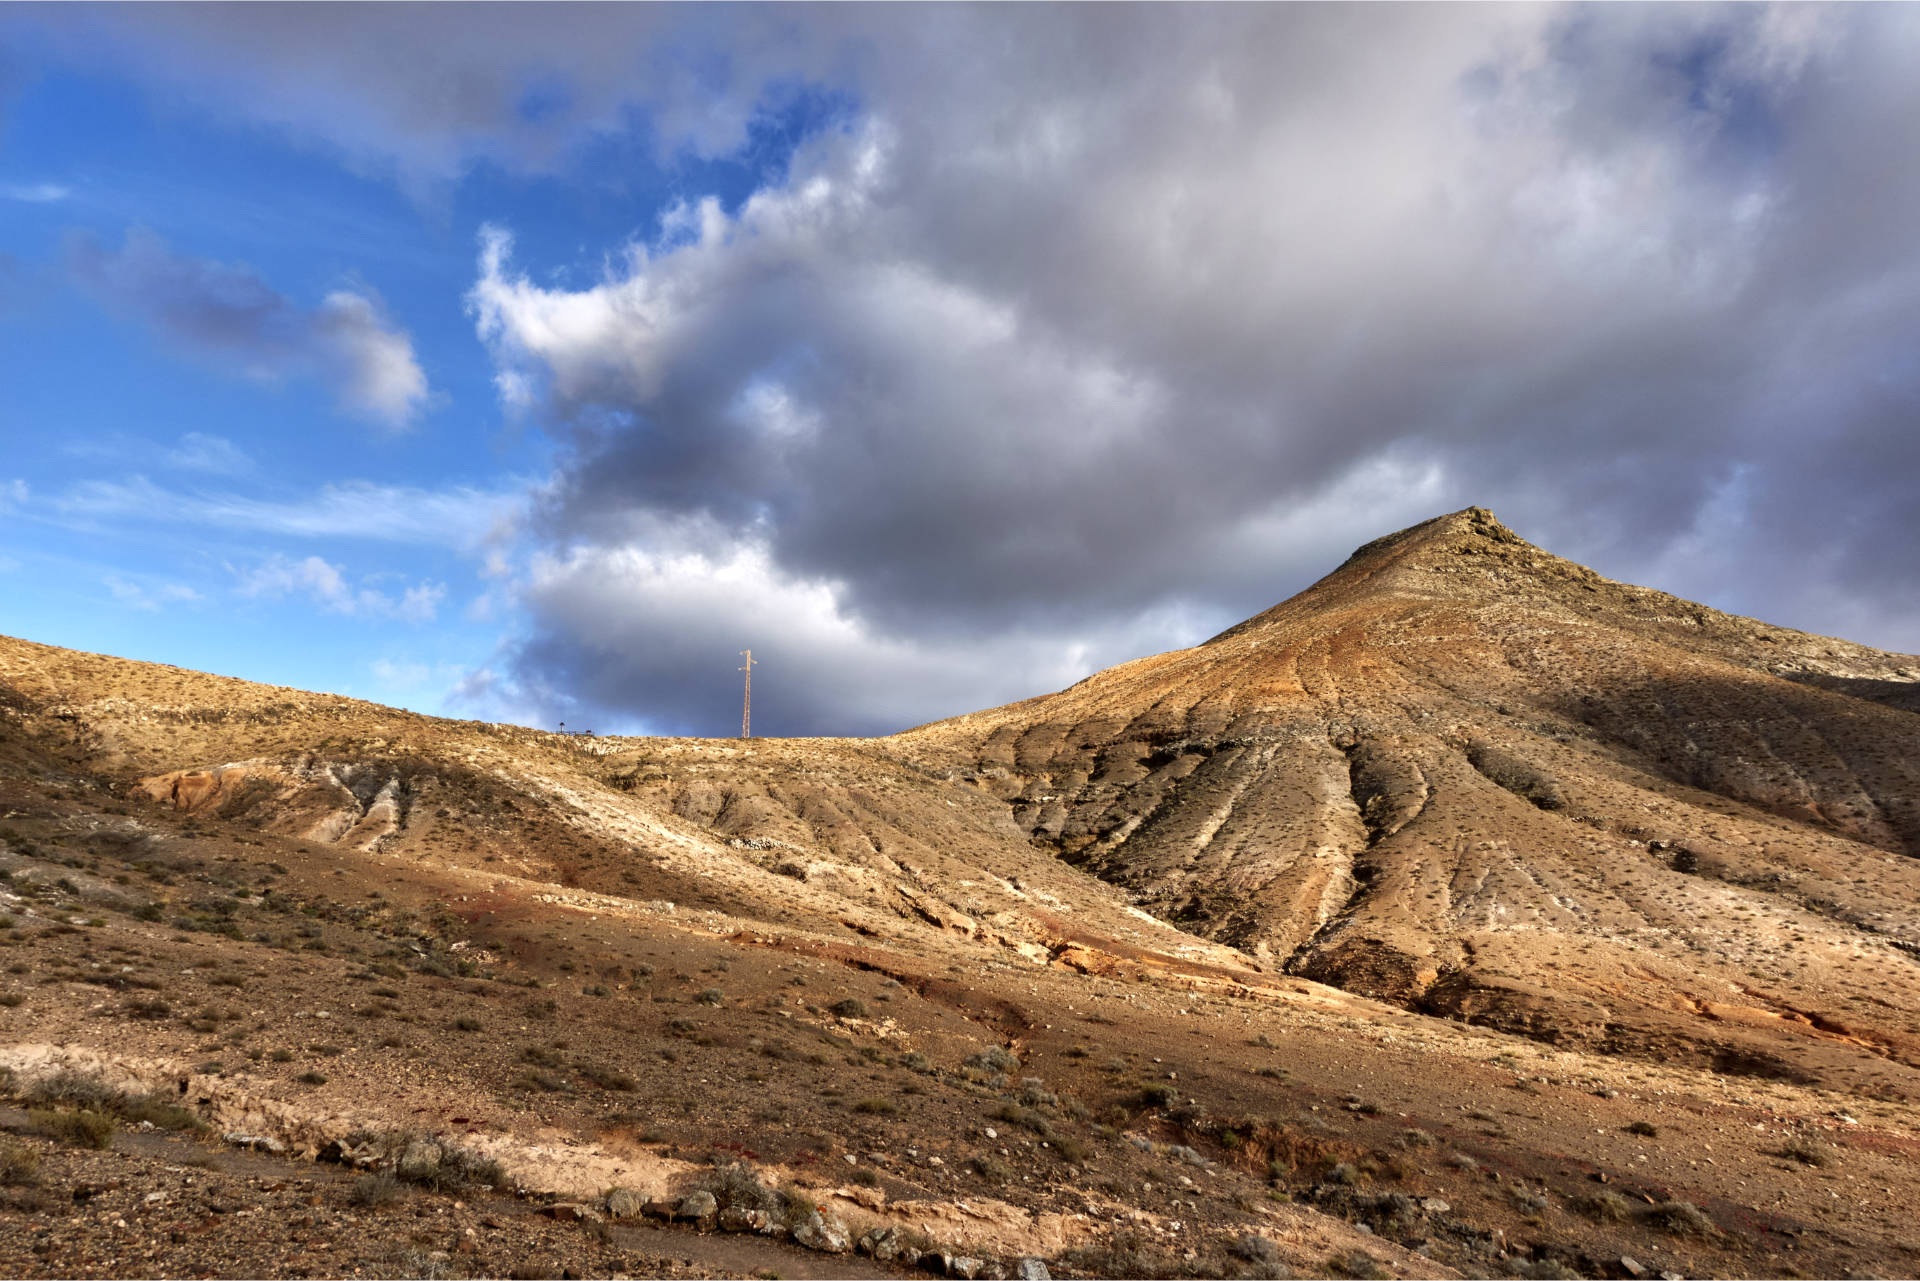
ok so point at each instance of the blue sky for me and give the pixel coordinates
(166, 502)
(529, 362)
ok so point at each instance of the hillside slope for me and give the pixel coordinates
(1470, 777)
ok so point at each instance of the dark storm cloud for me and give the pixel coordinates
(1096, 329)
(231, 315)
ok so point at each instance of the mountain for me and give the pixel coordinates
(1467, 913)
(1472, 778)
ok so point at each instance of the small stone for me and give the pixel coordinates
(1434, 1205)
(1632, 1267)
(961, 1265)
(992, 1133)
(1033, 1270)
(625, 1203)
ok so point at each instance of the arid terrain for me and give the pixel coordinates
(1468, 914)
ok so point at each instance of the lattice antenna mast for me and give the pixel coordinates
(746, 701)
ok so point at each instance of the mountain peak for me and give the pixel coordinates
(1454, 532)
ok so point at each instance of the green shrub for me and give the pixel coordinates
(994, 1059)
(737, 1186)
(374, 1190)
(19, 1166)
(158, 1110)
(1805, 1151)
(79, 1127)
(1604, 1207)
(1683, 1218)
(991, 1169)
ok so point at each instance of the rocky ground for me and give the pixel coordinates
(1355, 943)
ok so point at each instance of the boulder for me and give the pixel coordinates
(818, 1231)
(625, 1203)
(962, 1265)
(1033, 1270)
(699, 1206)
(739, 1219)
(882, 1243)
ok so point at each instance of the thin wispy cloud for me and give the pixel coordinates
(149, 595)
(461, 518)
(202, 452)
(35, 193)
(228, 314)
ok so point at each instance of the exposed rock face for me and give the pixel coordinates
(1468, 776)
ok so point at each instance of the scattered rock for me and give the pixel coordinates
(1033, 1270)
(961, 1265)
(259, 1142)
(1632, 1267)
(625, 1203)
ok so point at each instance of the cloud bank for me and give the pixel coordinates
(1069, 328)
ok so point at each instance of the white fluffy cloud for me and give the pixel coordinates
(228, 314)
(327, 586)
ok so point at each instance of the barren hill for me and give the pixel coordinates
(1470, 777)
(1467, 913)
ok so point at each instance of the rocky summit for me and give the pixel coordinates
(1467, 914)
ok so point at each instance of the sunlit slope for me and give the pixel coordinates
(1467, 775)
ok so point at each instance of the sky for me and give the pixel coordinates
(527, 363)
